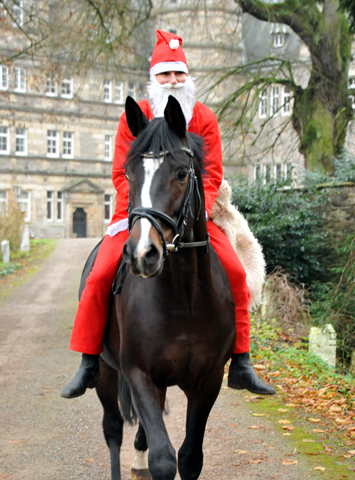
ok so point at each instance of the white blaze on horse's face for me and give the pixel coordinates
(151, 166)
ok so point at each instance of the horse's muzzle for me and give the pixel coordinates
(144, 261)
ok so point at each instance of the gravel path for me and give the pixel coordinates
(45, 437)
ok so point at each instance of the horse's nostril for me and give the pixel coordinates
(152, 256)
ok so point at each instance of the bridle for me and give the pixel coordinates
(178, 227)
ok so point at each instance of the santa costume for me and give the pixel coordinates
(91, 317)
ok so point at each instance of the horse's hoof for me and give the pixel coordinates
(140, 474)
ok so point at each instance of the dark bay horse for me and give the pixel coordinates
(173, 322)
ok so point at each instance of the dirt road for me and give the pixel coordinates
(45, 437)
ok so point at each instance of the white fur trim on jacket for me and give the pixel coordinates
(227, 217)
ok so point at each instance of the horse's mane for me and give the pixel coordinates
(158, 137)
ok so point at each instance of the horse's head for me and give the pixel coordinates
(163, 187)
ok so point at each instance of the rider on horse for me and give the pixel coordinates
(168, 76)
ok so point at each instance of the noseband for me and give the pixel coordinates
(178, 228)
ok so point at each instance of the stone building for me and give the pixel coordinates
(57, 132)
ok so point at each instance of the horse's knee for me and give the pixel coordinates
(162, 463)
(113, 427)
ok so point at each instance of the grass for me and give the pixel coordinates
(23, 265)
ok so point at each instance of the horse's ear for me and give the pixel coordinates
(175, 117)
(136, 119)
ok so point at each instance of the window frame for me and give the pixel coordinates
(108, 143)
(56, 154)
(288, 170)
(69, 140)
(70, 82)
(279, 36)
(25, 201)
(285, 103)
(119, 88)
(20, 80)
(107, 91)
(132, 90)
(263, 100)
(257, 172)
(7, 136)
(274, 111)
(24, 137)
(4, 85)
(51, 85)
(50, 206)
(60, 201)
(267, 173)
(278, 174)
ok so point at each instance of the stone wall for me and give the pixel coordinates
(339, 212)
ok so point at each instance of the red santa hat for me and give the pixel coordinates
(168, 55)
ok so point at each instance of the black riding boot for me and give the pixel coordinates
(87, 376)
(242, 375)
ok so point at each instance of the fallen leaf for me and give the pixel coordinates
(290, 404)
(87, 460)
(283, 410)
(321, 469)
(259, 366)
(289, 462)
(241, 452)
(341, 420)
(314, 420)
(352, 452)
(326, 448)
(224, 387)
(259, 414)
(289, 427)
(318, 430)
(253, 427)
(335, 408)
(308, 440)
(288, 434)
(284, 421)
(255, 461)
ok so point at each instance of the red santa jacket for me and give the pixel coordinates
(203, 123)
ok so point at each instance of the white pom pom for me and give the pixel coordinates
(174, 44)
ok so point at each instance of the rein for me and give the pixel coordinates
(178, 228)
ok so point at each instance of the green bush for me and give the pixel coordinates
(287, 223)
(11, 225)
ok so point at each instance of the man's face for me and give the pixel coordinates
(171, 77)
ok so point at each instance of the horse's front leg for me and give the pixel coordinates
(200, 403)
(140, 469)
(148, 403)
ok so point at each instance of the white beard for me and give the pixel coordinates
(183, 92)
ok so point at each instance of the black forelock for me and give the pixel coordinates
(158, 137)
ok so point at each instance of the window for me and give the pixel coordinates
(119, 92)
(4, 140)
(286, 101)
(267, 173)
(21, 141)
(20, 80)
(256, 172)
(108, 207)
(132, 90)
(107, 91)
(67, 88)
(278, 171)
(60, 205)
(17, 11)
(274, 100)
(3, 202)
(24, 200)
(68, 145)
(52, 143)
(263, 104)
(108, 148)
(4, 77)
(50, 206)
(279, 40)
(288, 171)
(51, 87)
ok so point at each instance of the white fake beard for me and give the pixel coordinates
(183, 92)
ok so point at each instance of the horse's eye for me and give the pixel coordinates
(181, 175)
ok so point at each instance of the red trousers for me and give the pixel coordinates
(91, 316)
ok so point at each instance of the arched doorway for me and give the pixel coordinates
(79, 222)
